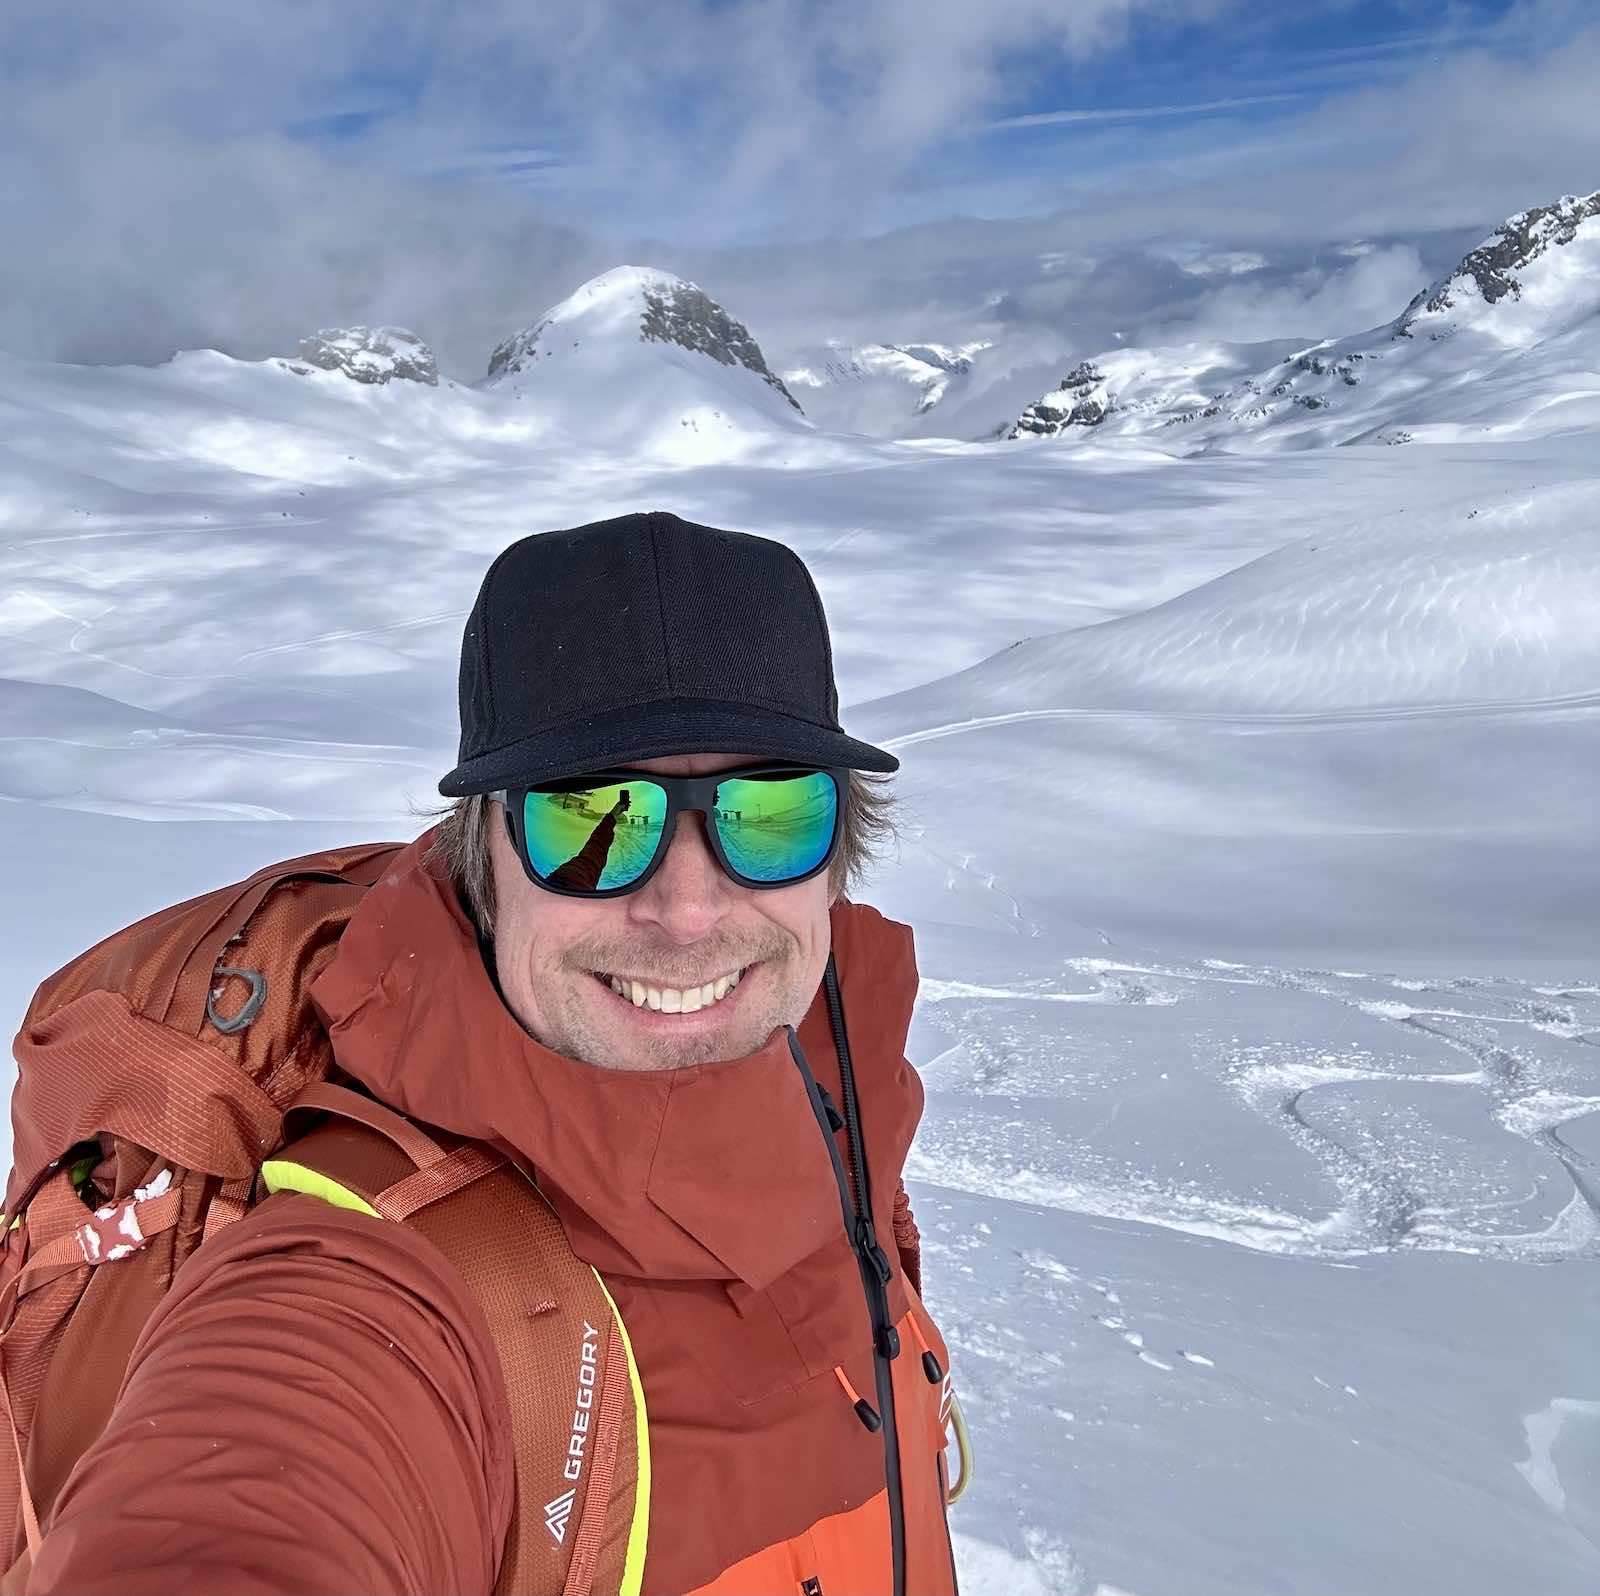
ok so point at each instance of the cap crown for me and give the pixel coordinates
(638, 610)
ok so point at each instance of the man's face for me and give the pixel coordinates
(690, 924)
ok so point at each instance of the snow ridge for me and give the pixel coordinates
(1491, 269)
(1531, 285)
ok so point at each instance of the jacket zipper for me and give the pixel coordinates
(855, 1201)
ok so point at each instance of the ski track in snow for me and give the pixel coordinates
(1517, 1089)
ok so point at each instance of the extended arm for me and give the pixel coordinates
(316, 1406)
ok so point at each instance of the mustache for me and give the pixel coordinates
(679, 967)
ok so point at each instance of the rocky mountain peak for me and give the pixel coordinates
(653, 305)
(680, 313)
(1082, 400)
(370, 354)
(1492, 268)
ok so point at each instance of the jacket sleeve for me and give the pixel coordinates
(316, 1405)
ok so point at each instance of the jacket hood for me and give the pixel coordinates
(708, 1172)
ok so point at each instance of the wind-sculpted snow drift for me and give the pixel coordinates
(1470, 603)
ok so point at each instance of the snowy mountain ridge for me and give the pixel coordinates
(1490, 272)
(1521, 310)
(877, 388)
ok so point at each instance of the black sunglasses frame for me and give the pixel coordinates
(696, 793)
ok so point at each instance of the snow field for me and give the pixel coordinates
(1247, 831)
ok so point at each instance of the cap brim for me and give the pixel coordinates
(649, 731)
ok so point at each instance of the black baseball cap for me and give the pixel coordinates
(641, 636)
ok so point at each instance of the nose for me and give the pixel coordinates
(690, 892)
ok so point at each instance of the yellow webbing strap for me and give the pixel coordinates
(280, 1174)
(633, 1564)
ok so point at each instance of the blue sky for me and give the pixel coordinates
(1219, 82)
(181, 174)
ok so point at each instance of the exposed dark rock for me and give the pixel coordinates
(1320, 366)
(517, 352)
(1194, 415)
(1493, 266)
(370, 354)
(689, 317)
(1086, 404)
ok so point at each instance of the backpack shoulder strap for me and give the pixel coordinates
(579, 1427)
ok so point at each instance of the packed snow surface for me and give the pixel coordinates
(1247, 830)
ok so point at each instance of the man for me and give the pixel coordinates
(626, 955)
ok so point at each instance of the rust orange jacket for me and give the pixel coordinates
(317, 1404)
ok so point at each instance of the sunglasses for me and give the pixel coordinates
(606, 833)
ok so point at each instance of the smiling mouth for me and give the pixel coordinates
(673, 1000)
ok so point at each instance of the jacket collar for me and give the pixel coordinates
(714, 1171)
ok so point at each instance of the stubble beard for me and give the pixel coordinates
(585, 1026)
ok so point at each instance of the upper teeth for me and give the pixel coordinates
(671, 999)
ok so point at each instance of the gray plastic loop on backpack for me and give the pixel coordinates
(253, 1004)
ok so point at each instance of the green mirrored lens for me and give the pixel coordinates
(591, 839)
(777, 827)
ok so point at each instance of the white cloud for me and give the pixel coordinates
(1141, 113)
(1315, 302)
(161, 191)
(170, 178)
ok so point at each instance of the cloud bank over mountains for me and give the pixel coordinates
(177, 180)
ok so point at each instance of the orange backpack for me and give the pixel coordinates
(155, 1075)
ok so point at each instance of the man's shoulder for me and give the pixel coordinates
(868, 941)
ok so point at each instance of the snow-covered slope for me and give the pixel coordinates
(1506, 346)
(881, 390)
(204, 418)
(641, 357)
(1257, 1176)
(1473, 603)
